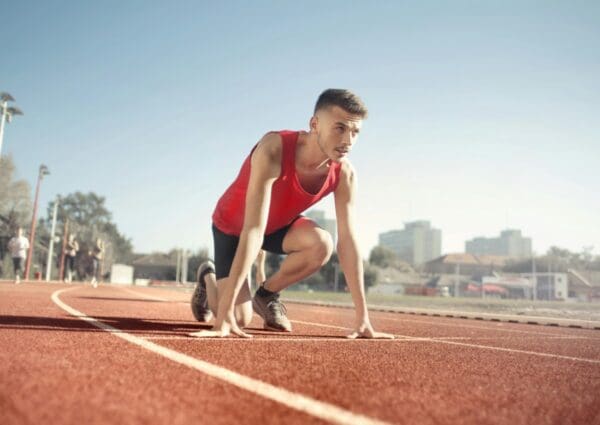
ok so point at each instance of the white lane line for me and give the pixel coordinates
(305, 339)
(482, 347)
(152, 297)
(302, 403)
(434, 321)
(141, 294)
(510, 350)
(488, 328)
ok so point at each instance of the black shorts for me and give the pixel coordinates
(226, 245)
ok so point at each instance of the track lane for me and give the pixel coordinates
(292, 356)
(414, 380)
(297, 401)
(76, 374)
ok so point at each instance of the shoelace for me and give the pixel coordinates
(277, 308)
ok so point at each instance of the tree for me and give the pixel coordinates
(15, 205)
(557, 260)
(383, 257)
(272, 263)
(15, 199)
(370, 275)
(328, 273)
(194, 262)
(89, 220)
(315, 281)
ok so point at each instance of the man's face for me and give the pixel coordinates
(19, 232)
(337, 131)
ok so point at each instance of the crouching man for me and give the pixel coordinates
(286, 173)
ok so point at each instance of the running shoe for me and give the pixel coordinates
(272, 311)
(199, 300)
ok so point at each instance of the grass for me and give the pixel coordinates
(571, 310)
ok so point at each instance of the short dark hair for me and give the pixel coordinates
(345, 99)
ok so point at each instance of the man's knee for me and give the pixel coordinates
(322, 248)
(243, 314)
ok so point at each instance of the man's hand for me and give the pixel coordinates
(365, 330)
(223, 330)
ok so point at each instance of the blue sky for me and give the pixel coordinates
(483, 115)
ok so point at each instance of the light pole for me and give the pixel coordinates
(534, 278)
(6, 113)
(42, 172)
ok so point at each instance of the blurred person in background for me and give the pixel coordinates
(18, 246)
(70, 254)
(97, 254)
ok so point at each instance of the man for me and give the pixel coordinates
(97, 253)
(18, 246)
(285, 174)
(70, 254)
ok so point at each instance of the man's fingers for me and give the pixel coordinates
(365, 333)
(220, 333)
(237, 331)
(208, 334)
(381, 335)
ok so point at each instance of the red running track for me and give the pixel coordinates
(127, 359)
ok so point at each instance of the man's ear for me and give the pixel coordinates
(313, 123)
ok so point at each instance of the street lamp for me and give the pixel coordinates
(6, 113)
(42, 172)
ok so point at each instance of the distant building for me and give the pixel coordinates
(584, 285)
(156, 266)
(326, 223)
(416, 244)
(509, 244)
(466, 264)
(392, 281)
(549, 286)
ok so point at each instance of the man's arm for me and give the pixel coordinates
(349, 254)
(265, 169)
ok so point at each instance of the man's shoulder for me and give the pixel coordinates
(346, 168)
(270, 147)
(271, 140)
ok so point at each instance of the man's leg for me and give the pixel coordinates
(205, 299)
(243, 303)
(96, 266)
(69, 261)
(17, 268)
(308, 247)
(260, 267)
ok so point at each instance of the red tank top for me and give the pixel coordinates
(288, 197)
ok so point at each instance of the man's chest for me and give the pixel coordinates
(312, 181)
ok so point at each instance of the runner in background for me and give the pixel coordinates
(18, 246)
(97, 254)
(70, 254)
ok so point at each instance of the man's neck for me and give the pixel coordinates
(309, 155)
